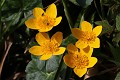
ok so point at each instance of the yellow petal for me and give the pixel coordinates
(80, 72)
(36, 50)
(41, 38)
(88, 50)
(81, 44)
(31, 23)
(71, 48)
(37, 12)
(44, 29)
(51, 11)
(45, 56)
(95, 44)
(76, 32)
(57, 20)
(97, 30)
(57, 38)
(60, 51)
(86, 26)
(69, 61)
(92, 62)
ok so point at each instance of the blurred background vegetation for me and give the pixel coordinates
(16, 39)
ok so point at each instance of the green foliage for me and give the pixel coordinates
(42, 70)
(106, 27)
(117, 22)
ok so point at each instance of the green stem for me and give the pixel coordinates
(67, 14)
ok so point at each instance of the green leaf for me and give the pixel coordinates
(36, 76)
(118, 76)
(52, 64)
(106, 27)
(118, 22)
(74, 2)
(84, 3)
(35, 65)
(116, 53)
(116, 39)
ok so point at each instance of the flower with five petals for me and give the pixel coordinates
(87, 36)
(79, 60)
(48, 47)
(44, 21)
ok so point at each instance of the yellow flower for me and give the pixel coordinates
(86, 36)
(48, 47)
(44, 21)
(79, 60)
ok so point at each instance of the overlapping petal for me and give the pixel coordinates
(60, 51)
(41, 38)
(81, 44)
(76, 32)
(69, 61)
(96, 43)
(57, 38)
(72, 48)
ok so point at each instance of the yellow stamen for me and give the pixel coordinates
(88, 37)
(81, 61)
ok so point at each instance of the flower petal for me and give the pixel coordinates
(45, 29)
(36, 50)
(88, 50)
(86, 26)
(81, 44)
(37, 12)
(51, 11)
(92, 62)
(97, 30)
(60, 51)
(31, 23)
(69, 61)
(45, 56)
(72, 48)
(95, 44)
(76, 32)
(57, 38)
(41, 38)
(80, 72)
(57, 20)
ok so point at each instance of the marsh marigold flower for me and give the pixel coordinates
(44, 21)
(79, 60)
(87, 36)
(48, 47)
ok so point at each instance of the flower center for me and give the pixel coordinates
(88, 37)
(46, 21)
(50, 47)
(81, 61)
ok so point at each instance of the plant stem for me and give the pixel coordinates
(8, 45)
